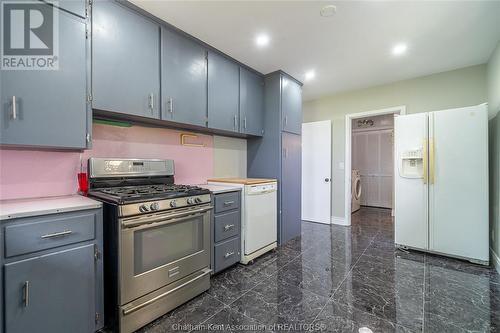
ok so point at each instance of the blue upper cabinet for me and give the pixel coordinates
(291, 105)
(184, 80)
(48, 108)
(251, 102)
(125, 61)
(77, 7)
(223, 93)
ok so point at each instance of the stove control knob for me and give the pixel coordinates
(143, 208)
(190, 201)
(198, 200)
(173, 204)
(155, 206)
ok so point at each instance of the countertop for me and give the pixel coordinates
(11, 209)
(220, 188)
(244, 181)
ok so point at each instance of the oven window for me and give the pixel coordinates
(157, 246)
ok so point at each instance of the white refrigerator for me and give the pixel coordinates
(441, 183)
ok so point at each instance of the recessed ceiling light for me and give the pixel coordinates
(262, 40)
(328, 11)
(310, 75)
(399, 49)
(364, 330)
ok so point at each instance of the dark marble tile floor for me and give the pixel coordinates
(344, 279)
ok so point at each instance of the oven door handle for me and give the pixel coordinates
(171, 218)
(154, 299)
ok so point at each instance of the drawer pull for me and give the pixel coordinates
(228, 254)
(57, 234)
(26, 294)
(173, 272)
(228, 203)
(228, 227)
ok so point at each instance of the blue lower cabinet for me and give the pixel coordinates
(57, 286)
(51, 293)
(226, 230)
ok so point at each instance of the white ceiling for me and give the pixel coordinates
(350, 50)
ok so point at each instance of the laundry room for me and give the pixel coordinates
(372, 181)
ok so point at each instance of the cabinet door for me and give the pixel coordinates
(251, 102)
(290, 187)
(49, 107)
(184, 80)
(125, 61)
(51, 293)
(291, 105)
(223, 93)
(77, 7)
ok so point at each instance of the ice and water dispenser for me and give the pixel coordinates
(412, 163)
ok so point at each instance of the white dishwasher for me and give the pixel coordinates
(258, 217)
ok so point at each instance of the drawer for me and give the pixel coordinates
(46, 232)
(227, 201)
(226, 225)
(226, 254)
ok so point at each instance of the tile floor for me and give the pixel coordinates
(345, 279)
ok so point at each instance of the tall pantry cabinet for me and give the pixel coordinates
(277, 154)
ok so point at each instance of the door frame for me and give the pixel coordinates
(396, 110)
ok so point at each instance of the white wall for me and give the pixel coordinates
(230, 157)
(457, 88)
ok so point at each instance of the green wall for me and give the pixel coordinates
(457, 88)
(493, 72)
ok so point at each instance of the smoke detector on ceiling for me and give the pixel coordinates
(328, 11)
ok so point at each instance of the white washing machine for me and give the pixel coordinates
(355, 191)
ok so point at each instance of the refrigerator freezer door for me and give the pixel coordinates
(411, 227)
(458, 177)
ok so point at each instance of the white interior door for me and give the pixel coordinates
(459, 182)
(316, 171)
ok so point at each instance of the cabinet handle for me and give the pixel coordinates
(228, 254)
(57, 234)
(284, 152)
(14, 108)
(151, 102)
(228, 227)
(228, 203)
(235, 124)
(286, 120)
(171, 105)
(26, 294)
(245, 122)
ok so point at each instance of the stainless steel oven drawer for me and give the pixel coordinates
(46, 232)
(145, 309)
(226, 225)
(227, 253)
(227, 201)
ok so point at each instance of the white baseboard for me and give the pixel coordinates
(339, 221)
(495, 260)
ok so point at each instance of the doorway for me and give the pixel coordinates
(369, 159)
(372, 162)
(316, 171)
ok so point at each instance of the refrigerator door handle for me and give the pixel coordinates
(425, 162)
(432, 162)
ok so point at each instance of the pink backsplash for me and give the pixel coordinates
(38, 173)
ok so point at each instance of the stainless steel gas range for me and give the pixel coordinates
(156, 239)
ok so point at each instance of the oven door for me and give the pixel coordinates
(160, 248)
